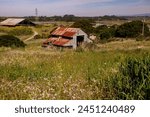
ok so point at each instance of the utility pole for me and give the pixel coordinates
(36, 14)
(143, 28)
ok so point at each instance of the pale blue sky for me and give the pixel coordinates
(76, 7)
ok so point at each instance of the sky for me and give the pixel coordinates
(75, 7)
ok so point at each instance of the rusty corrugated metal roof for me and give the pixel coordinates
(60, 42)
(12, 21)
(67, 32)
(50, 40)
(57, 41)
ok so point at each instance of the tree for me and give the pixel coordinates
(105, 35)
(107, 32)
(85, 25)
(132, 29)
(68, 17)
(100, 29)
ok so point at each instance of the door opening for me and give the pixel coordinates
(80, 40)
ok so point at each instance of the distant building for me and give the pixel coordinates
(67, 37)
(16, 22)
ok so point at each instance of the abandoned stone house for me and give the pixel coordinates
(67, 37)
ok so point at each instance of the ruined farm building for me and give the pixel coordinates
(12, 22)
(67, 37)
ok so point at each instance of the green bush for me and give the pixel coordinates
(105, 35)
(19, 31)
(132, 29)
(85, 25)
(133, 82)
(10, 41)
(100, 29)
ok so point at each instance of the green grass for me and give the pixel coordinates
(39, 73)
(24, 32)
(21, 32)
(17, 31)
(44, 30)
(133, 81)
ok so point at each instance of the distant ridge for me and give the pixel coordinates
(144, 14)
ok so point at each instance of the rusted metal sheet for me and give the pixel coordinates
(68, 32)
(57, 41)
(50, 40)
(60, 42)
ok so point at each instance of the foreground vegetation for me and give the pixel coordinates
(105, 73)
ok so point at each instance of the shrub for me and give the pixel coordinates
(100, 29)
(19, 31)
(105, 35)
(85, 25)
(132, 29)
(133, 82)
(10, 41)
(37, 36)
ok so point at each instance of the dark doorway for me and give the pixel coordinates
(80, 40)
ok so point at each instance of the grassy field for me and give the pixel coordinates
(40, 73)
(21, 32)
(24, 32)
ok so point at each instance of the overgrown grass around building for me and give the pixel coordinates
(51, 74)
(16, 31)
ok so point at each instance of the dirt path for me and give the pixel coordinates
(35, 33)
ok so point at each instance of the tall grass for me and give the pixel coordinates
(133, 81)
(51, 74)
(61, 75)
(16, 31)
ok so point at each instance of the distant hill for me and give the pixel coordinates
(144, 14)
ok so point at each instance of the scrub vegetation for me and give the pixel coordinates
(11, 41)
(122, 72)
(16, 31)
(112, 70)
